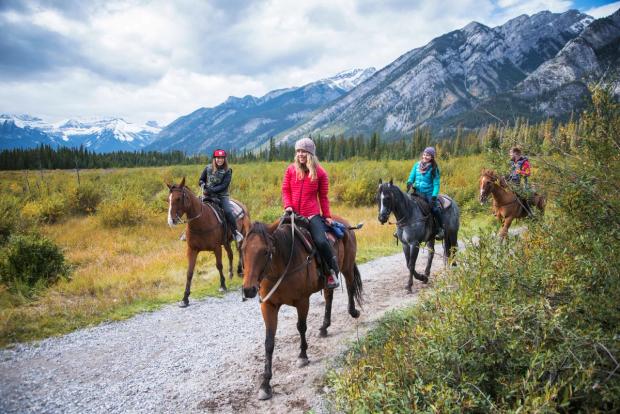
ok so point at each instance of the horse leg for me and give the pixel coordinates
(407, 252)
(270, 317)
(504, 230)
(302, 315)
(191, 258)
(229, 253)
(352, 287)
(431, 254)
(327, 317)
(218, 263)
(415, 249)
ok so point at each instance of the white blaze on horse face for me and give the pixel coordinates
(382, 197)
(170, 221)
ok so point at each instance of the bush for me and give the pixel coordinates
(126, 212)
(31, 262)
(48, 210)
(9, 217)
(85, 198)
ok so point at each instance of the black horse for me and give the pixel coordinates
(415, 224)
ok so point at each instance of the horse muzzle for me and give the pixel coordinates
(382, 218)
(250, 292)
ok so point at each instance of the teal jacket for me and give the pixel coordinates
(423, 183)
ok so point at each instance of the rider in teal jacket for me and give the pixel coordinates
(425, 178)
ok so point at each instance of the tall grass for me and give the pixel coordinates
(126, 259)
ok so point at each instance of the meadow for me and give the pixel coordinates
(122, 257)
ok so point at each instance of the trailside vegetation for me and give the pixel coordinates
(528, 325)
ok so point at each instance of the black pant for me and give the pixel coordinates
(228, 212)
(435, 209)
(317, 229)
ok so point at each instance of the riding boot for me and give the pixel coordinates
(332, 278)
(236, 234)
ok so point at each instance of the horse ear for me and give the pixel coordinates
(169, 186)
(182, 184)
(391, 181)
(380, 181)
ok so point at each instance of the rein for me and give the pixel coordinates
(290, 259)
(185, 196)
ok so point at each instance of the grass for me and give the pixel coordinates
(119, 271)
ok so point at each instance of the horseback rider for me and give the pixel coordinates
(214, 182)
(304, 191)
(519, 168)
(425, 180)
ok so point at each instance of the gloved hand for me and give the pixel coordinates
(434, 199)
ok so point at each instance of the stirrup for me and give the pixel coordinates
(332, 280)
(440, 234)
(238, 236)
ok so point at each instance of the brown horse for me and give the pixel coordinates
(507, 205)
(204, 232)
(282, 269)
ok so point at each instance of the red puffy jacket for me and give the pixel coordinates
(304, 196)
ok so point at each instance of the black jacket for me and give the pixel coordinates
(216, 182)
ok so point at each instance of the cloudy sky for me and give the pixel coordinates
(157, 60)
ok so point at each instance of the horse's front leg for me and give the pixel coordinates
(270, 317)
(327, 317)
(504, 230)
(229, 253)
(302, 315)
(218, 263)
(191, 259)
(407, 252)
(431, 253)
(415, 249)
(240, 262)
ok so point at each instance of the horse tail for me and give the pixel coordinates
(357, 285)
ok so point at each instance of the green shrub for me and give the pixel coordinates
(128, 211)
(31, 262)
(85, 198)
(9, 217)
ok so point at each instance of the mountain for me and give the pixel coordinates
(451, 75)
(98, 135)
(249, 121)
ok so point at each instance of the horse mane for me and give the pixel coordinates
(422, 203)
(281, 238)
(494, 176)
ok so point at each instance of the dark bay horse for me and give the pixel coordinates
(204, 232)
(415, 224)
(279, 267)
(506, 204)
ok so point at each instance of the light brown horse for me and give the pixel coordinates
(279, 267)
(506, 204)
(204, 232)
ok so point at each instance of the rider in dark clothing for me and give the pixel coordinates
(214, 181)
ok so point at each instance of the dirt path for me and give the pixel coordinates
(206, 358)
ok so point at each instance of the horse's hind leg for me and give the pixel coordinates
(229, 252)
(327, 317)
(218, 263)
(354, 286)
(270, 317)
(302, 315)
(191, 258)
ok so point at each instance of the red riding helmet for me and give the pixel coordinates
(219, 153)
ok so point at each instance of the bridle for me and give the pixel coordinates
(185, 198)
(405, 219)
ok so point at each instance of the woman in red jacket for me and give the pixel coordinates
(304, 191)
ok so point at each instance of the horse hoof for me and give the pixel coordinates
(302, 362)
(264, 394)
(323, 332)
(184, 304)
(222, 289)
(354, 313)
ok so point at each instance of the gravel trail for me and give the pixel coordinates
(205, 358)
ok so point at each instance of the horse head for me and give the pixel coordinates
(178, 202)
(488, 178)
(385, 200)
(257, 251)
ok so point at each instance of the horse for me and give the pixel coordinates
(415, 224)
(280, 268)
(204, 232)
(506, 203)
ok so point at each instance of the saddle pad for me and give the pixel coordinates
(236, 209)
(445, 201)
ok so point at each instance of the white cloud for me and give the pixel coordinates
(160, 59)
(603, 11)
